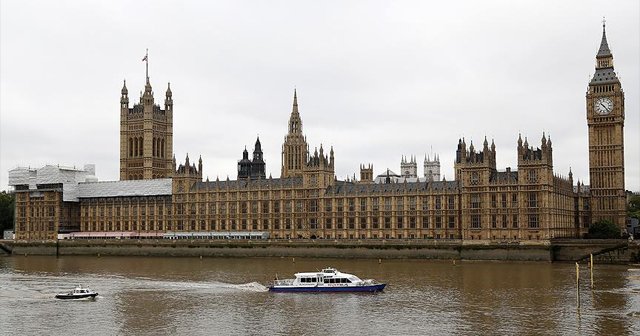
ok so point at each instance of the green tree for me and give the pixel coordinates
(633, 208)
(604, 229)
(7, 202)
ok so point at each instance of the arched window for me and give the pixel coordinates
(135, 146)
(130, 147)
(140, 146)
(162, 148)
(154, 147)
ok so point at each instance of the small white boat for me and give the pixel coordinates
(327, 280)
(78, 293)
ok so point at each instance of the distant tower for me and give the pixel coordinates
(366, 173)
(432, 168)
(605, 118)
(258, 166)
(146, 135)
(244, 166)
(409, 168)
(294, 149)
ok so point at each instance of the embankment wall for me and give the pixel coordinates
(613, 251)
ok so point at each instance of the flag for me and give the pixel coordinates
(145, 58)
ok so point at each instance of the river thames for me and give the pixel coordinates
(220, 296)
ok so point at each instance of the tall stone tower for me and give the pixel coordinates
(474, 170)
(146, 135)
(605, 117)
(294, 149)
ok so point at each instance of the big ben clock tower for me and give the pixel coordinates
(605, 117)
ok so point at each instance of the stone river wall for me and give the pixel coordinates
(605, 251)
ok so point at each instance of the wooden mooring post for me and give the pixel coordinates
(578, 284)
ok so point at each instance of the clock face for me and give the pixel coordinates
(603, 106)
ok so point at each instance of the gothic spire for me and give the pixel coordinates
(258, 146)
(519, 139)
(295, 123)
(604, 50)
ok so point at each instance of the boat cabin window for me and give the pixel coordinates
(337, 280)
(305, 280)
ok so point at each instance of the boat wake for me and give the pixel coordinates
(250, 287)
(214, 286)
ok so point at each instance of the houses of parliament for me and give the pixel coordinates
(156, 196)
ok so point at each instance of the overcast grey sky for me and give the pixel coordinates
(375, 79)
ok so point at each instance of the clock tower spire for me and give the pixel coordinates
(605, 118)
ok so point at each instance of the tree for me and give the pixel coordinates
(7, 205)
(604, 229)
(633, 208)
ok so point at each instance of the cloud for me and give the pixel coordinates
(376, 80)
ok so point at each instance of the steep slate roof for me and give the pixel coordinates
(349, 188)
(276, 183)
(156, 187)
(504, 177)
(604, 76)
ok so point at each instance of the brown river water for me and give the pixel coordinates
(223, 296)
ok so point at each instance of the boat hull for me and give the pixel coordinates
(76, 297)
(328, 289)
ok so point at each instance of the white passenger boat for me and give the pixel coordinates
(327, 280)
(78, 293)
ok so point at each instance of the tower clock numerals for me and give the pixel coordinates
(603, 106)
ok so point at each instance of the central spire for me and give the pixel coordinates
(295, 123)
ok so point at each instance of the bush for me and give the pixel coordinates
(604, 229)
(7, 202)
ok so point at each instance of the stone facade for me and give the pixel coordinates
(530, 202)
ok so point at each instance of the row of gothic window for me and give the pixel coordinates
(136, 149)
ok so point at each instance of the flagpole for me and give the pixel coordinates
(146, 59)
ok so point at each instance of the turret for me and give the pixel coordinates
(331, 158)
(124, 98)
(244, 166)
(168, 100)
